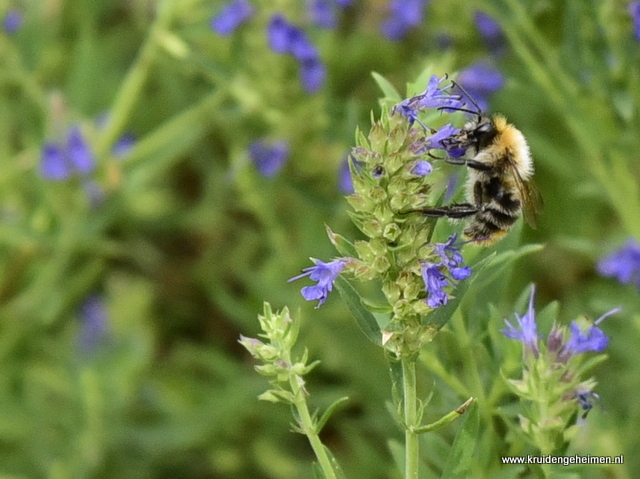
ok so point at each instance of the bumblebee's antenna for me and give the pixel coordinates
(463, 110)
(478, 111)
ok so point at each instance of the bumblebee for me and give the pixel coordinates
(499, 185)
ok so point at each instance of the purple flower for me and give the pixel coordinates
(452, 259)
(434, 275)
(12, 21)
(94, 323)
(232, 15)
(433, 97)
(527, 333)
(480, 80)
(436, 141)
(622, 264)
(269, 158)
(422, 168)
(59, 162)
(491, 32)
(324, 274)
(404, 15)
(634, 11)
(591, 339)
(434, 281)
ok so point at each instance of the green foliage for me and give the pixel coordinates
(186, 239)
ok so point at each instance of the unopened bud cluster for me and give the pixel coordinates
(285, 375)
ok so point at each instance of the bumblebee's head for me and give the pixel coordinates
(483, 134)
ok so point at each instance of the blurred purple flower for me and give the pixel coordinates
(59, 162)
(123, 146)
(480, 80)
(312, 75)
(634, 11)
(278, 33)
(325, 274)
(231, 16)
(269, 158)
(322, 13)
(12, 21)
(403, 16)
(94, 324)
(491, 32)
(622, 264)
(284, 37)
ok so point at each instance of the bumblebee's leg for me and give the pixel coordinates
(476, 165)
(455, 211)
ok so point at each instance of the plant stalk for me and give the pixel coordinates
(412, 446)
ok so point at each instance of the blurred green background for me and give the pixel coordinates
(123, 292)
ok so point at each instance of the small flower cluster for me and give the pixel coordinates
(286, 375)
(551, 381)
(390, 179)
(623, 264)
(283, 38)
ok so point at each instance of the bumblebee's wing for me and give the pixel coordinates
(531, 199)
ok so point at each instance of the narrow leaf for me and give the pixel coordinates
(330, 410)
(342, 244)
(365, 319)
(461, 453)
(387, 88)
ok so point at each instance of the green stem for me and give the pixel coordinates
(412, 446)
(309, 429)
(134, 81)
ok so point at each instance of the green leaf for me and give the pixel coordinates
(387, 88)
(342, 244)
(330, 410)
(365, 319)
(461, 453)
(443, 314)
